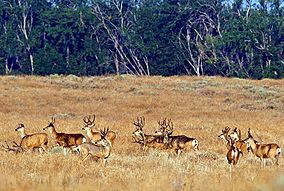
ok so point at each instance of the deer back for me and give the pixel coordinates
(183, 142)
(267, 150)
(74, 139)
(34, 140)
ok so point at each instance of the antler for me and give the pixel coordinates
(240, 135)
(226, 130)
(13, 149)
(53, 120)
(104, 133)
(249, 134)
(166, 125)
(140, 122)
(88, 121)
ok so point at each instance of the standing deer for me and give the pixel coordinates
(64, 139)
(178, 143)
(154, 141)
(263, 151)
(94, 136)
(235, 137)
(233, 154)
(31, 141)
(100, 149)
(240, 144)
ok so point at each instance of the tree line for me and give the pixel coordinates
(232, 38)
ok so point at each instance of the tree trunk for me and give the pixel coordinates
(32, 63)
(7, 70)
(116, 64)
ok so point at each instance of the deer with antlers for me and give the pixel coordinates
(16, 148)
(178, 143)
(225, 137)
(235, 137)
(100, 149)
(139, 136)
(32, 141)
(240, 144)
(263, 151)
(94, 136)
(64, 139)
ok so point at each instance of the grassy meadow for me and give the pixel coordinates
(198, 107)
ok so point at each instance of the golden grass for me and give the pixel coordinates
(199, 107)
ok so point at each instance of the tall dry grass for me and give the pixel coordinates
(199, 107)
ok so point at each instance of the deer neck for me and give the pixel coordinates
(90, 133)
(253, 146)
(22, 133)
(106, 151)
(53, 132)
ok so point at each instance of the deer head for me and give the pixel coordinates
(50, 125)
(89, 122)
(224, 134)
(138, 135)
(165, 127)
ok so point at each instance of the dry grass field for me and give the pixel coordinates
(199, 107)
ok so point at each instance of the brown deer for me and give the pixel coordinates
(154, 141)
(64, 139)
(32, 141)
(225, 137)
(240, 144)
(100, 149)
(263, 151)
(178, 143)
(235, 137)
(94, 136)
(233, 154)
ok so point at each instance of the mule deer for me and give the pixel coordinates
(263, 151)
(235, 137)
(240, 144)
(15, 148)
(101, 149)
(225, 137)
(93, 135)
(178, 143)
(64, 139)
(154, 141)
(31, 141)
(233, 154)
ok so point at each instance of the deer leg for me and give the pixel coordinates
(104, 161)
(178, 152)
(263, 161)
(85, 158)
(44, 149)
(230, 169)
(144, 148)
(276, 160)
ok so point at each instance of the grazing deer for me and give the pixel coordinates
(64, 139)
(263, 151)
(31, 141)
(178, 143)
(95, 136)
(154, 141)
(233, 154)
(100, 149)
